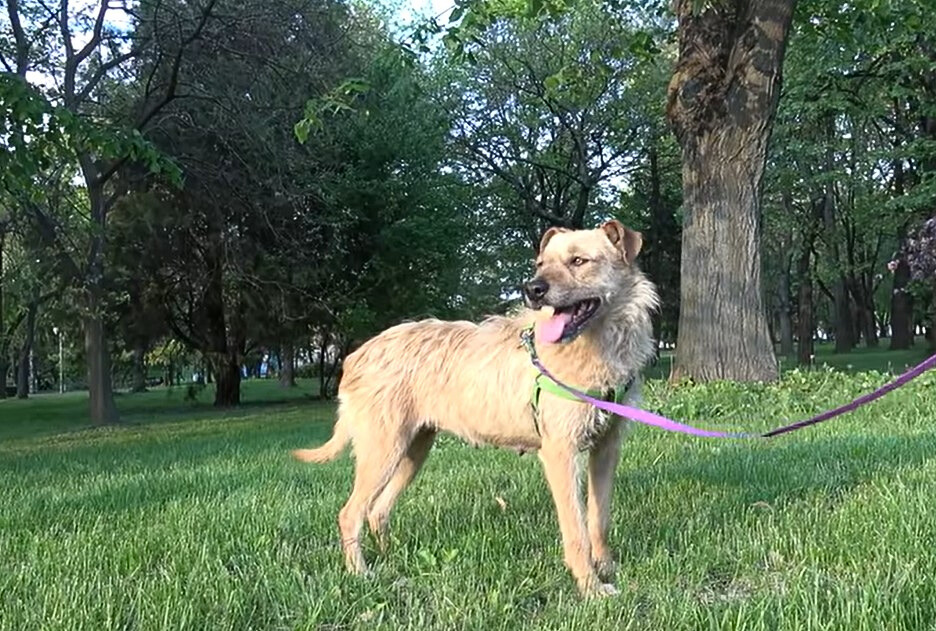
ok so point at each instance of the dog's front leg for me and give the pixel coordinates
(561, 469)
(602, 461)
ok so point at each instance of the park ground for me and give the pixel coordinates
(188, 517)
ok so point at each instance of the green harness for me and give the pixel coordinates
(543, 383)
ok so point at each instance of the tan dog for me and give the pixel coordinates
(475, 380)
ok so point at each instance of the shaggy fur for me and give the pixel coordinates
(474, 380)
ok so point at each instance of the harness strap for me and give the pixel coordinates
(542, 382)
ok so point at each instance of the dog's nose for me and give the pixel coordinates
(536, 289)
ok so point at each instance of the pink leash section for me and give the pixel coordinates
(649, 418)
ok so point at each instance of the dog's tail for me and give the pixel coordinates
(330, 450)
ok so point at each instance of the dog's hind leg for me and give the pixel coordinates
(602, 461)
(376, 460)
(379, 515)
(561, 469)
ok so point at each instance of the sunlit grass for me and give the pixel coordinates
(192, 518)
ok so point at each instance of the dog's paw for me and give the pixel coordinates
(603, 590)
(598, 589)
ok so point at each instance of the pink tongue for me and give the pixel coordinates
(549, 331)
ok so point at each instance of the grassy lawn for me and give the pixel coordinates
(191, 518)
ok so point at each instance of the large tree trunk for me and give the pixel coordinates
(287, 376)
(228, 381)
(722, 101)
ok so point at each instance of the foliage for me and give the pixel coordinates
(921, 251)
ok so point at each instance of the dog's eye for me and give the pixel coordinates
(578, 261)
(539, 264)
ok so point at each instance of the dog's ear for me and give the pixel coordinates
(624, 239)
(549, 234)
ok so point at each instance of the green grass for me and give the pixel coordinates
(191, 518)
(861, 359)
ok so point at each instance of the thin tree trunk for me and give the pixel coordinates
(805, 324)
(100, 388)
(784, 315)
(721, 102)
(4, 371)
(323, 348)
(24, 373)
(287, 376)
(901, 306)
(931, 334)
(4, 342)
(139, 367)
(870, 320)
(170, 373)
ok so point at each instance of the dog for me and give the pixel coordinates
(590, 307)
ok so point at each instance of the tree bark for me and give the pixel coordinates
(805, 324)
(24, 373)
(901, 308)
(100, 388)
(287, 376)
(721, 103)
(4, 341)
(323, 348)
(784, 315)
(931, 333)
(227, 382)
(139, 367)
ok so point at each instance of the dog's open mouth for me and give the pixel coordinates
(567, 322)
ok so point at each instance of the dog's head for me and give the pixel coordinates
(580, 273)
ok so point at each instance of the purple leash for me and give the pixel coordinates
(649, 418)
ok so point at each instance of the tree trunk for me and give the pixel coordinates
(323, 378)
(170, 373)
(870, 321)
(901, 308)
(805, 324)
(786, 320)
(100, 388)
(931, 333)
(721, 102)
(228, 382)
(24, 373)
(139, 367)
(287, 376)
(4, 371)
(723, 331)
(4, 342)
